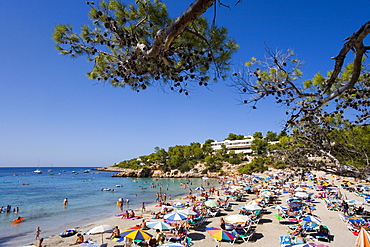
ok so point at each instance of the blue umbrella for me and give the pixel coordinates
(279, 207)
(175, 216)
(178, 205)
(159, 225)
(310, 218)
(199, 188)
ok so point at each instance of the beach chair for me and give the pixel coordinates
(344, 218)
(214, 213)
(243, 235)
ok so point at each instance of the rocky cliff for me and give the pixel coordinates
(156, 172)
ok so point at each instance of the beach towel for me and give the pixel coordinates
(284, 241)
(89, 243)
(278, 217)
(134, 218)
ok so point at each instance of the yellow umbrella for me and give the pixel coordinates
(136, 234)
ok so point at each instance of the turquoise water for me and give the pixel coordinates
(40, 199)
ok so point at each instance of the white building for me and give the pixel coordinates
(239, 146)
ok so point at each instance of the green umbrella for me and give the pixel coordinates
(212, 204)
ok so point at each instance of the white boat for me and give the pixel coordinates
(119, 185)
(87, 171)
(37, 171)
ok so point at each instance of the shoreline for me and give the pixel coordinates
(267, 233)
(53, 238)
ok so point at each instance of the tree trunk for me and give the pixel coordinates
(165, 36)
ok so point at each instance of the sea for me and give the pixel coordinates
(40, 197)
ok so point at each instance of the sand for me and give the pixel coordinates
(267, 233)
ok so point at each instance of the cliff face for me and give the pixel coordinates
(156, 172)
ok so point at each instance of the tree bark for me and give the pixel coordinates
(165, 36)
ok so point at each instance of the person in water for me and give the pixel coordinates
(65, 202)
(79, 240)
(38, 231)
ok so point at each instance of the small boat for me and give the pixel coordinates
(37, 171)
(18, 220)
(87, 171)
(119, 185)
(74, 172)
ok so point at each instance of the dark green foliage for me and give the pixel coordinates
(257, 165)
(233, 137)
(127, 45)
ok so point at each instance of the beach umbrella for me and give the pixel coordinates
(254, 202)
(247, 188)
(159, 225)
(294, 204)
(310, 218)
(178, 205)
(187, 211)
(136, 234)
(236, 218)
(279, 207)
(199, 188)
(269, 193)
(363, 238)
(220, 234)
(252, 207)
(212, 204)
(100, 230)
(171, 245)
(301, 194)
(175, 216)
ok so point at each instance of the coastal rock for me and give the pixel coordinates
(197, 172)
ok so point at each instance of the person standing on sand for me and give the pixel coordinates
(38, 231)
(143, 207)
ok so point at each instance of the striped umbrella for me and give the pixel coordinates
(310, 218)
(175, 216)
(363, 238)
(279, 207)
(159, 225)
(178, 205)
(220, 234)
(171, 245)
(136, 234)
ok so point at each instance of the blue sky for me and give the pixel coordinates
(51, 113)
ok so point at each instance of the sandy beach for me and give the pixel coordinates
(267, 231)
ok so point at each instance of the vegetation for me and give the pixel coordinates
(257, 165)
(184, 157)
(139, 45)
